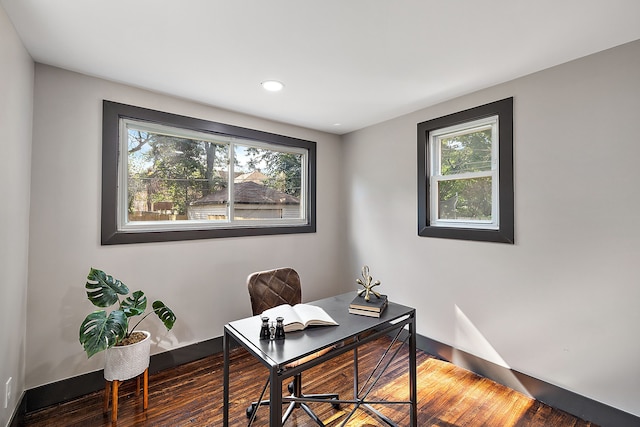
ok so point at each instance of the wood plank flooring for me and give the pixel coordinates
(191, 395)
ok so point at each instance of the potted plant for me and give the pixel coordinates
(127, 349)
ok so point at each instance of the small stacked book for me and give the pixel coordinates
(372, 308)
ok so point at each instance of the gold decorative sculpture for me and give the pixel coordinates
(366, 283)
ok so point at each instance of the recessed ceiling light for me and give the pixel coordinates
(272, 85)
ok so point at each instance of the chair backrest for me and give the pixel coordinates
(268, 289)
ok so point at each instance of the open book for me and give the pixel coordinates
(299, 316)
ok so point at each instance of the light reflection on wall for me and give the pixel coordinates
(472, 351)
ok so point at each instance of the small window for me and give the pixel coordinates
(168, 177)
(465, 188)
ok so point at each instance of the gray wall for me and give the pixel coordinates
(563, 303)
(16, 104)
(204, 281)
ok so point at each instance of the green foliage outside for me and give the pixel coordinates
(463, 154)
(173, 169)
(283, 169)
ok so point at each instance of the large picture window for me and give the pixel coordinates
(465, 164)
(169, 177)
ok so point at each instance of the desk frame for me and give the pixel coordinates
(395, 318)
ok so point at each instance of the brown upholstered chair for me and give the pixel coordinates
(268, 289)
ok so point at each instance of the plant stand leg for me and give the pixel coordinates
(146, 389)
(114, 400)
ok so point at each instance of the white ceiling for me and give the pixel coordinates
(352, 62)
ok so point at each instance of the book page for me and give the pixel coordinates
(313, 315)
(299, 316)
(291, 318)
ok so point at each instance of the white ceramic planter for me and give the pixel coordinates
(128, 361)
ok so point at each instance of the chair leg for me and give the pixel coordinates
(254, 407)
(288, 412)
(312, 414)
(295, 388)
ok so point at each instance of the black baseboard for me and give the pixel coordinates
(72, 388)
(18, 414)
(557, 397)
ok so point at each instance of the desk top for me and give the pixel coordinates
(302, 343)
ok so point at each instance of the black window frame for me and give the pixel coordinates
(110, 235)
(505, 232)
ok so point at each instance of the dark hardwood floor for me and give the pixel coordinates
(191, 395)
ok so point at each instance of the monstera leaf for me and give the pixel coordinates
(99, 331)
(135, 305)
(102, 289)
(165, 314)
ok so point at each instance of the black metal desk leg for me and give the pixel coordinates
(413, 392)
(226, 346)
(355, 374)
(275, 398)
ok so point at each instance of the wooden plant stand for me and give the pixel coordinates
(112, 387)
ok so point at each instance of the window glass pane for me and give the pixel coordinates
(267, 184)
(169, 175)
(468, 151)
(465, 199)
